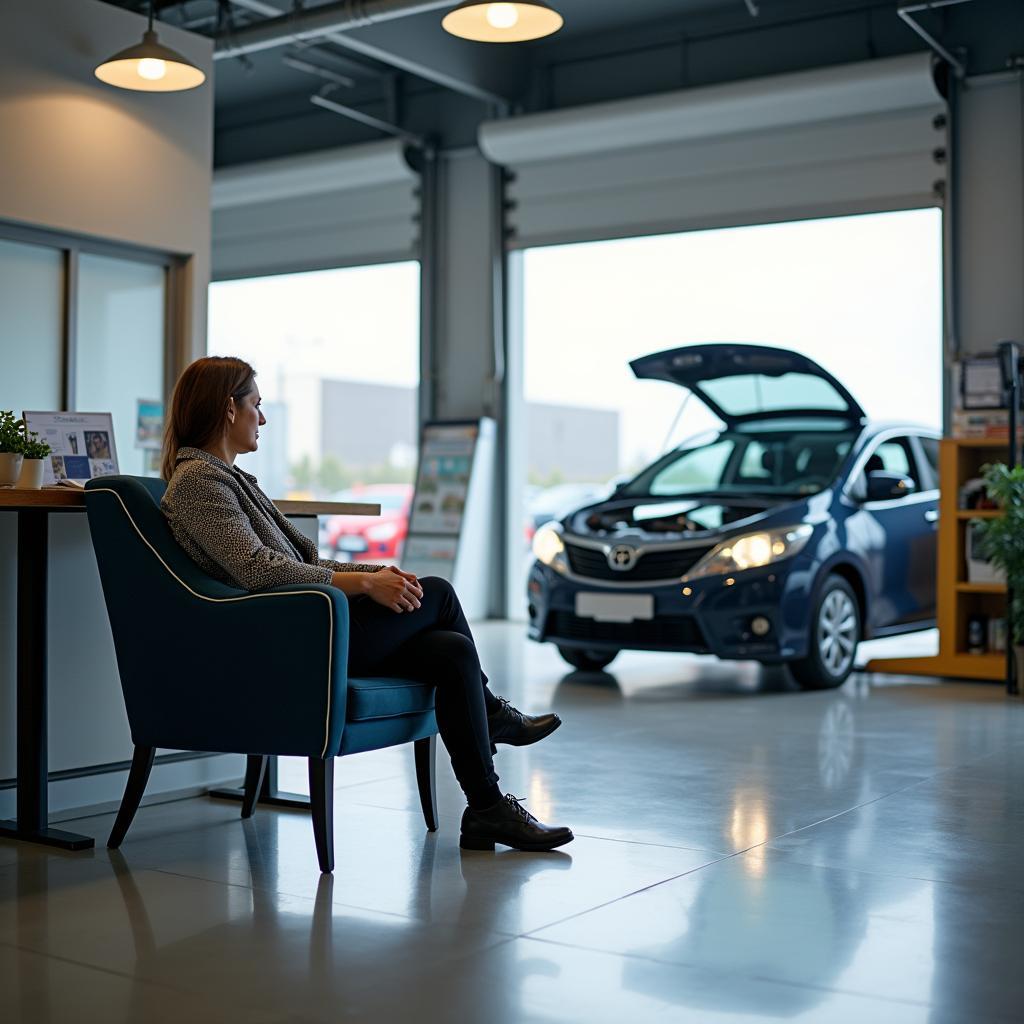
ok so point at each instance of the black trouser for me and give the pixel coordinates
(432, 644)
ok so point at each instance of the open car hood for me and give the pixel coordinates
(751, 382)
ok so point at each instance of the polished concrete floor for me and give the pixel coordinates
(744, 852)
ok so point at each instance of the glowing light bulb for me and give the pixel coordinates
(502, 15)
(152, 69)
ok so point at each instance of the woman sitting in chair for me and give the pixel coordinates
(399, 625)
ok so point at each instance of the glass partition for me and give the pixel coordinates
(31, 326)
(120, 355)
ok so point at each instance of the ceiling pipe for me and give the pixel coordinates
(318, 22)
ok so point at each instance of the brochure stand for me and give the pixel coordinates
(453, 510)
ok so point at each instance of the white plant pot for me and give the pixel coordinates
(10, 468)
(31, 477)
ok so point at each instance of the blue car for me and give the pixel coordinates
(789, 535)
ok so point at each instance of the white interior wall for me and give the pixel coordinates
(989, 191)
(81, 157)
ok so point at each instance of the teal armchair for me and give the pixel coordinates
(206, 667)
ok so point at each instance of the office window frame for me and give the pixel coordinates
(72, 247)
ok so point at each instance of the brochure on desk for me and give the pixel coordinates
(82, 442)
(452, 510)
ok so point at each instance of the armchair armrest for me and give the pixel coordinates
(260, 673)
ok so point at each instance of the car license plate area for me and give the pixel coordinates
(615, 607)
(351, 544)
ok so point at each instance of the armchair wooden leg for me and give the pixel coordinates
(138, 776)
(255, 772)
(426, 779)
(321, 799)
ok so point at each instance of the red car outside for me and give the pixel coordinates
(371, 538)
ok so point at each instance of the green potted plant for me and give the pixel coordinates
(12, 443)
(1001, 541)
(35, 454)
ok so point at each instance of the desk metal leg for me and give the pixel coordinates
(32, 809)
(270, 795)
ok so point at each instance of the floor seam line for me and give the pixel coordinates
(635, 892)
(723, 972)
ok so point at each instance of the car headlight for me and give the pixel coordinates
(751, 551)
(548, 547)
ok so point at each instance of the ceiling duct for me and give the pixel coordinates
(319, 22)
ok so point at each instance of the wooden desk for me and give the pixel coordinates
(33, 509)
(71, 499)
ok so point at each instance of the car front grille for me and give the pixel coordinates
(654, 565)
(673, 632)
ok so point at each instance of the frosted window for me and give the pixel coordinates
(120, 356)
(31, 323)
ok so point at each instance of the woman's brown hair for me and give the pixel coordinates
(199, 404)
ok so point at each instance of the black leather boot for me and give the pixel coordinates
(509, 725)
(510, 824)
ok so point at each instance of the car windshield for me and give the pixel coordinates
(790, 462)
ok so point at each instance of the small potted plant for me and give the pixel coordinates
(36, 453)
(12, 444)
(1002, 542)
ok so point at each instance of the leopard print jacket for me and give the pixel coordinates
(234, 532)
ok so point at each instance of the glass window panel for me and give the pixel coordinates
(894, 457)
(931, 453)
(336, 354)
(120, 355)
(751, 393)
(31, 326)
(590, 308)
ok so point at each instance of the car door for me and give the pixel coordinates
(899, 535)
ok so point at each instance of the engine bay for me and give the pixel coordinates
(661, 520)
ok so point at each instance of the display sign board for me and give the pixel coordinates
(452, 516)
(442, 483)
(82, 442)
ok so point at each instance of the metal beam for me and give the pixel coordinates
(906, 11)
(489, 76)
(318, 22)
(368, 119)
(314, 69)
(427, 51)
(272, 10)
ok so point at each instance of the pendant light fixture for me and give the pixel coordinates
(150, 66)
(502, 23)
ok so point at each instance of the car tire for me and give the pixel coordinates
(835, 631)
(587, 661)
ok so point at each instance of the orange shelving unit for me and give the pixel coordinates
(958, 599)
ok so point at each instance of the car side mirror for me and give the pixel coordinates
(883, 486)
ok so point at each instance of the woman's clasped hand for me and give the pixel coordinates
(400, 591)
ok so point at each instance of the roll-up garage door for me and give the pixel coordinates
(857, 138)
(340, 207)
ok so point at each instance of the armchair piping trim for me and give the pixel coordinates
(244, 597)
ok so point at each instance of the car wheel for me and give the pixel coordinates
(587, 661)
(835, 633)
